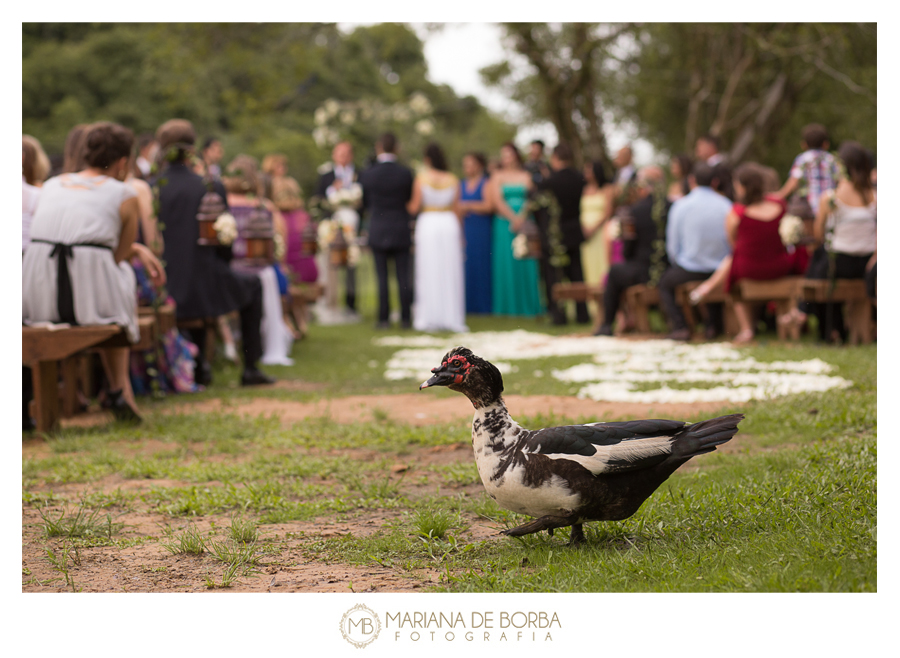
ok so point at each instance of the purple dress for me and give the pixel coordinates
(477, 229)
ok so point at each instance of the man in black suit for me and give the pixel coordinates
(387, 188)
(337, 174)
(566, 184)
(200, 279)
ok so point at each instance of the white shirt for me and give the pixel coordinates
(30, 195)
(386, 157)
(715, 159)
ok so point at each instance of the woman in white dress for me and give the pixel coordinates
(76, 269)
(440, 298)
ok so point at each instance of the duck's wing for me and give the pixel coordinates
(607, 447)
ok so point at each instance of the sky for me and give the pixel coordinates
(458, 51)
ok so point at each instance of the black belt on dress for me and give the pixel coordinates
(65, 303)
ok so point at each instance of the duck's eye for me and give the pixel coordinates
(455, 363)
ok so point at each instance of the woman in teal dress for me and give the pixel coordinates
(515, 284)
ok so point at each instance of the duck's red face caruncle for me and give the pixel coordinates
(453, 370)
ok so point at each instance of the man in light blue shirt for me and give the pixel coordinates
(696, 243)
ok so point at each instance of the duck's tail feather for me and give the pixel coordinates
(703, 437)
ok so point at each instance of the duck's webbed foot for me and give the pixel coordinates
(547, 523)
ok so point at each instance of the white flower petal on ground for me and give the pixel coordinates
(614, 366)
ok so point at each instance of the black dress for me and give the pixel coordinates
(199, 277)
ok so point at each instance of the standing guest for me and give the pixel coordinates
(536, 165)
(212, 154)
(597, 202)
(723, 180)
(815, 168)
(566, 184)
(440, 303)
(340, 174)
(847, 223)
(477, 218)
(625, 171)
(147, 148)
(387, 188)
(514, 282)
(706, 149)
(679, 167)
(252, 211)
(643, 246)
(287, 197)
(76, 268)
(200, 279)
(73, 151)
(696, 243)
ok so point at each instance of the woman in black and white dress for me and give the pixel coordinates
(76, 268)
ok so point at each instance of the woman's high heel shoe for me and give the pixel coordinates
(121, 409)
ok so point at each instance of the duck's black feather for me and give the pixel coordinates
(581, 439)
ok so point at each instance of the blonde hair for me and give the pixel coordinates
(271, 161)
(35, 163)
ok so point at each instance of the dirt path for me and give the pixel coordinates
(416, 409)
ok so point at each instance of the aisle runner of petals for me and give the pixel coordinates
(663, 370)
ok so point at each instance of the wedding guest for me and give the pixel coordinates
(76, 268)
(477, 218)
(848, 215)
(35, 168)
(340, 174)
(200, 279)
(566, 184)
(643, 247)
(625, 171)
(387, 189)
(815, 167)
(212, 154)
(440, 300)
(679, 168)
(706, 150)
(73, 159)
(515, 283)
(696, 243)
(288, 198)
(536, 164)
(253, 213)
(597, 201)
(147, 148)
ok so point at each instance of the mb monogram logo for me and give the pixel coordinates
(360, 626)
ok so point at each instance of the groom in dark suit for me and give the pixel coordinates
(387, 188)
(566, 184)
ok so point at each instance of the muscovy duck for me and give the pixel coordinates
(565, 476)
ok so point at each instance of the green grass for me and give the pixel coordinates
(794, 510)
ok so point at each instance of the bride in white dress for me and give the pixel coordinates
(440, 303)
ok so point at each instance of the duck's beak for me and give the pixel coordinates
(442, 377)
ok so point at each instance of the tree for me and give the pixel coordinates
(568, 65)
(753, 86)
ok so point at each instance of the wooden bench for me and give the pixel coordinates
(43, 347)
(785, 292)
(580, 292)
(851, 293)
(640, 298)
(302, 296)
(716, 296)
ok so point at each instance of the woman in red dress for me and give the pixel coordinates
(756, 247)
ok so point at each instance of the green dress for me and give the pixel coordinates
(515, 283)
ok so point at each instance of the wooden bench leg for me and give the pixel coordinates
(69, 386)
(46, 395)
(859, 322)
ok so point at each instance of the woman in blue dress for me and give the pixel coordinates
(515, 283)
(477, 226)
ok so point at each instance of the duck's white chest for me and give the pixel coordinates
(504, 474)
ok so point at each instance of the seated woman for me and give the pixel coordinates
(757, 250)
(849, 214)
(76, 268)
(253, 213)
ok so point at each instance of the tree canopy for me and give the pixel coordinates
(752, 85)
(256, 87)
